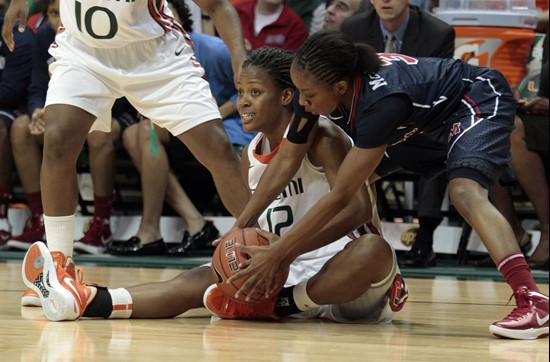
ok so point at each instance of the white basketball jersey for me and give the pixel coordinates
(115, 23)
(308, 185)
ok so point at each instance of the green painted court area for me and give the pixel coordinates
(445, 268)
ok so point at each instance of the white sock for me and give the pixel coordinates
(302, 300)
(122, 303)
(60, 233)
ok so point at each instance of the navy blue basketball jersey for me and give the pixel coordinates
(435, 87)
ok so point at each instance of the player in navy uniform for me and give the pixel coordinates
(423, 115)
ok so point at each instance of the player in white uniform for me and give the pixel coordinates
(106, 49)
(354, 280)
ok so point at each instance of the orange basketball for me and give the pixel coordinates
(226, 260)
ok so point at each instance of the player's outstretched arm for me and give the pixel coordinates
(227, 23)
(17, 11)
(329, 151)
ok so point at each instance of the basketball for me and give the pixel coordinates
(226, 260)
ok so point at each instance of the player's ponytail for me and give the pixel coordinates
(367, 59)
(330, 56)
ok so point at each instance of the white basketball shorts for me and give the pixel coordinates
(160, 78)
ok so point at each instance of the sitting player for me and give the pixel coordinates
(342, 280)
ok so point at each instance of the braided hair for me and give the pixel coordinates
(275, 61)
(330, 56)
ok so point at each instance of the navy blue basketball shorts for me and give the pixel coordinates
(419, 154)
(478, 146)
(476, 142)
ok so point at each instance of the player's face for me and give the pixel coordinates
(390, 10)
(259, 100)
(53, 14)
(316, 97)
(337, 11)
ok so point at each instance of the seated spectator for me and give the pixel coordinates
(339, 10)
(15, 70)
(37, 18)
(312, 12)
(146, 147)
(271, 23)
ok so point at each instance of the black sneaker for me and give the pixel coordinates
(201, 240)
(416, 258)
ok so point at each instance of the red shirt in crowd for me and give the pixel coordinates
(288, 31)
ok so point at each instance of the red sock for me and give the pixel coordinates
(35, 202)
(516, 272)
(102, 206)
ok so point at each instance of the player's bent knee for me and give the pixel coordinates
(370, 247)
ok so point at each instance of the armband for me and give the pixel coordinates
(302, 124)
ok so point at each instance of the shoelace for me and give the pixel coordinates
(62, 264)
(524, 303)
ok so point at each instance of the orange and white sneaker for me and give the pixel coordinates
(62, 297)
(222, 306)
(31, 299)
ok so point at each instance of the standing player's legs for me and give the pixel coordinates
(471, 200)
(210, 145)
(66, 130)
(479, 150)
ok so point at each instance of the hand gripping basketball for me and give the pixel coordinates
(227, 258)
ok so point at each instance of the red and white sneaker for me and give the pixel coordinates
(220, 305)
(62, 297)
(398, 293)
(32, 232)
(529, 320)
(95, 238)
(31, 299)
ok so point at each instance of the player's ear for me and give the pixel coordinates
(288, 94)
(340, 87)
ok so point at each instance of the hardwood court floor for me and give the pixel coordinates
(444, 320)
